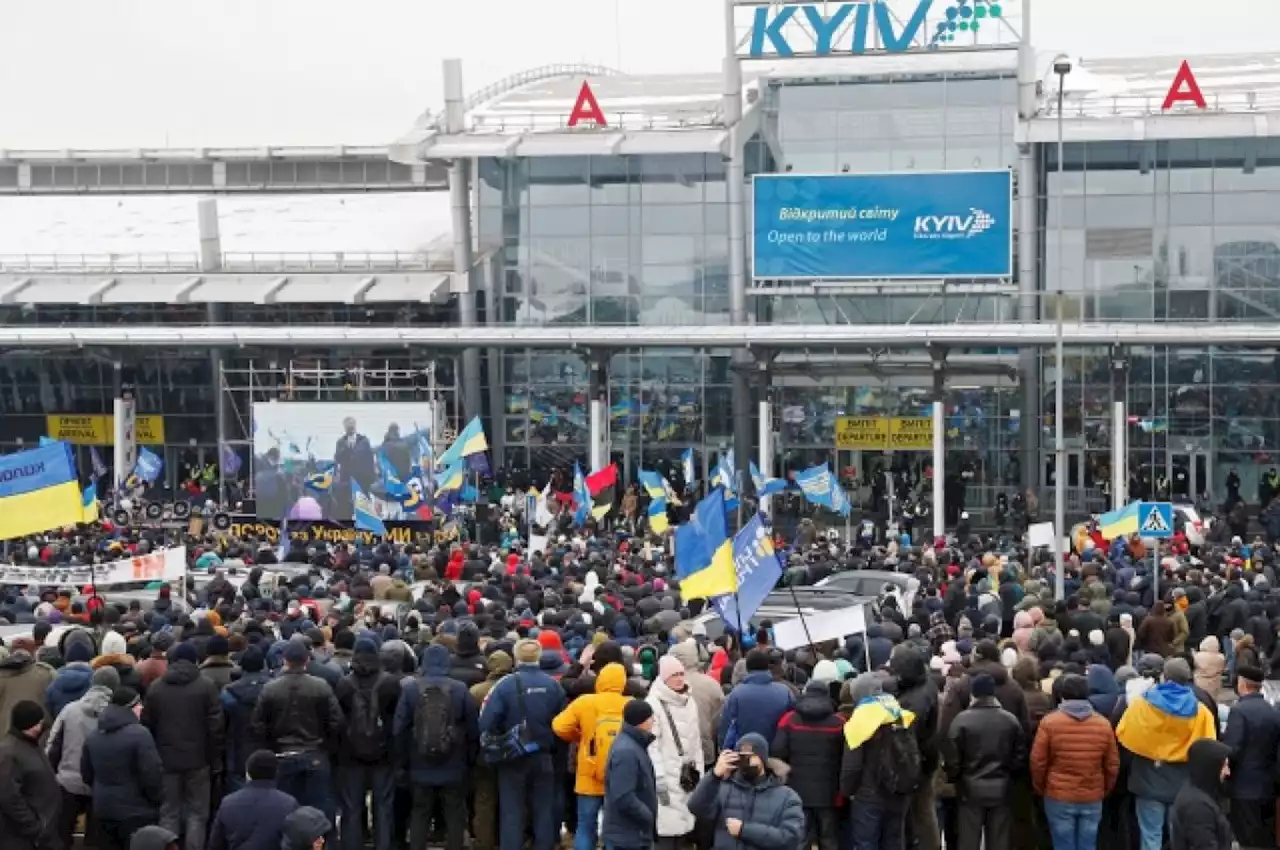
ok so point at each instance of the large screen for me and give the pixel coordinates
(946, 224)
(306, 454)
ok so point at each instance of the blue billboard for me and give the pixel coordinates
(945, 224)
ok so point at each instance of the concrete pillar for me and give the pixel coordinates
(598, 410)
(1028, 311)
(1119, 428)
(491, 269)
(221, 407)
(460, 204)
(210, 236)
(939, 411)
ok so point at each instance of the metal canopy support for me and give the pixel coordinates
(735, 180)
(598, 393)
(765, 459)
(1119, 428)
(460, 203)
(939, 355)
(1028, 292)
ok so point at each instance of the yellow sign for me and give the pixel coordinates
(100, 430)
(883, 433)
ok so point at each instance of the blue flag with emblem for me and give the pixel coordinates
(821, 488)
(687, 470)
(581, 497)
(766, 486)
(366, 514)
(758, 568)
(725, 475)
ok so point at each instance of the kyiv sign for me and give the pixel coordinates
(848, 26)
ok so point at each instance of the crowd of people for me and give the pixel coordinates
(571, 697)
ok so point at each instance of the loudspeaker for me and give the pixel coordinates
(222, 521)
(120, 516)
(181, 510)
(154, 510)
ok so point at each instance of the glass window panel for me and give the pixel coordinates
(716, 217)
(1066, 183)
(661, 219)
(865, 156)
(672, 179)
(609, 180)
(1184, 179)
(715, 249)
(1119, 211)
(1071, 209)
(610, 252)
(610, 220)
(1246, 208)
(979, 92)
(1119, 181)
(1187, 209)
(973, 120)
(670, 249)
(575, 253)
(1064, 271)
(558, 180)
(553, 281)
(662, 281)
(559, 221)
(808, 124)
(1238, 180)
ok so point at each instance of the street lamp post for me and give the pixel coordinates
(1061, 67)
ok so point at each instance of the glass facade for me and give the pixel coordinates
(1166, 232)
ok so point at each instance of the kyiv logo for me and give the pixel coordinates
(974, 224)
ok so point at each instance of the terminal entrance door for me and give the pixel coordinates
(1075, 483)
(1189, 475)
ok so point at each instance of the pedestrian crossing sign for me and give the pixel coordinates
(1155, 519)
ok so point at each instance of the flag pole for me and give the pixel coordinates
(795, 599)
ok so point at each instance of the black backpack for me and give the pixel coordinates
(366, 731)
(898, 773)
(433, 724)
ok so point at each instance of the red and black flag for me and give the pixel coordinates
(603, 487)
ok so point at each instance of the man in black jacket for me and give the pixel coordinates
(367, 696)
(1196, 821)
(918, 694)
(298, 718)
(468, 664)
(121, 766)
(810, 739)
(1253, 734)
(985, 748)
(29, 792)
(630, 789)
(183, 710)
(253, 818)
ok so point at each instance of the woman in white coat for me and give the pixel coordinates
(677, 741)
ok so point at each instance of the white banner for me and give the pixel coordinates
(164, 565)
(829, 625)
(125, 455)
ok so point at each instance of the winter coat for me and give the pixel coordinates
(957, 697)
(543, 700)
(1253, 734)
(754, 707)
(771, 813)
(184, 713)
(1156, 635)
(1210, 663)
(313, 724)
(217, 669)
(984, 749)
(124, 665)
(70, 683)
(72, 728)
(917, 693)
(452, 769)
(577, 724)
(810, 740)
(630, 793)
(706, 692)
(1074, 758)
(122, 766)
(21, 678)
(238, 701)
(1104, 693)
(252, 818)
(29, 796)
(1196, 821)
(675, 716)
(366, 675)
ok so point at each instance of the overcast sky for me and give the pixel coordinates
(182, 73)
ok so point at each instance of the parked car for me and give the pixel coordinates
(872, 583)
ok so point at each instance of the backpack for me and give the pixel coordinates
(898, 773)
(601, 742)
(366, 738)
(433, 727)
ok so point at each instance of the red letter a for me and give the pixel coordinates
(586, 107)
(1184, 88)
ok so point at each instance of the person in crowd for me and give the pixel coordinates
(984, 751)
(676, 751)
(436, 729)
(880, 768)
(297, 717)
(592, 722)
(183, 712)
(1210, 665)
(630, 810)
(749, 804)
(217, 665)
(484, 781)
(1074, 765)
(122, 767)
(65, 748)
(810, 740)
(73, 678)
(918, 694)
(706, 692)
(155, 666)
(305, 829)
(22, 679)
(1196, 819)
(30, 797)
(253, 817)
(367, 696)
(525, 704)
(756, 705)
(153, 838)
(1253, 735)
(238, 701)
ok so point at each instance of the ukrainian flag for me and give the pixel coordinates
(656, 487)
(870, 714)
(38, 491)
(707, 567)
(470, 441)
(89, 503)
(452, 479)
(1163, 723)
(1121, 523)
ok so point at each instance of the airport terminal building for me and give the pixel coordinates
(1142, 195)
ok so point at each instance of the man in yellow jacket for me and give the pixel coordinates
(592, 722)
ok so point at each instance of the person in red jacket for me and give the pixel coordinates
(810, 738)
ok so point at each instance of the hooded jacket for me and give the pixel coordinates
(630, 792)
(1104, 693)
(676, 742)
(252, 818)
(771, 813)
(184, 713)
(21, 678)
(917, 693)
(122, 766)
(1196, 821)
(1209, 666)
(811, 740)
(238, 701)
(29, 795)
(499, 664)
(1253, 734)
(71, 682)
(366, 674)
(302, 827)
(754, 706)
(468, 664)
(67, 738)
(1075, 758)
(152, 838)
(543, 700)
(451, 770)
(577, 724)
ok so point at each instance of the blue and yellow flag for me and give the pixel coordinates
(1121, 523)
(89, 503)
(1163, 723)
(870, 714)
(758, 569)
(471, 440)
(452, 479)
(365, 512)
(687, 470)
(39, 491)
(322, 481)
(707, 568)
(656, 488)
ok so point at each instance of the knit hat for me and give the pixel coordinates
(296, 652)
(1096, 637)
(218, 645)
(826, 671)
(78, 652)
(636, 712)
(669, 666)
(528, 652)
(162, 641)
(183, 652)
(1250, 673)
(261, 765)
(1177, 670)
(106, 677)
(252, 661)
(982, 685)
(27, 714)
(113, 643)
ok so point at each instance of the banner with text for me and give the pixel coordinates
(884, 433)
(954, 224)
(163, 565)
(100, 430)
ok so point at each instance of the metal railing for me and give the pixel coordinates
(505, 121)
(1109, 106)
(233, 262)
